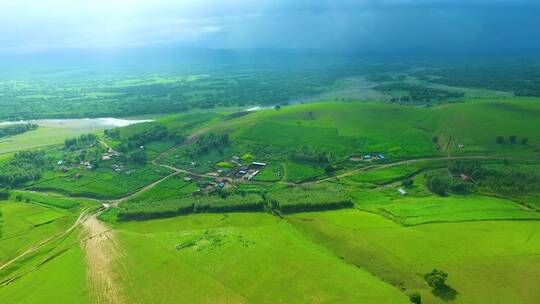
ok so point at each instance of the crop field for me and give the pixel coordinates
(173, 187)
(225, 254)
(296, 172)
(272, 173)
(385, 176)
(414, 211)
(487, 261)
(102, 182)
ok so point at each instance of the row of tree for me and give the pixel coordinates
(79, 142)
(512, 139)
(17, 129)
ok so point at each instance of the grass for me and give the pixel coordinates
(43, 217)
(296, 172)
(19, 232)
(52, 199)
(414, 211)
(40, 275)
(384, 176)
(45, 135)
(488, 261)
(171, 188)
(271, 173)
(225, 255)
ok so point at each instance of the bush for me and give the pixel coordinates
(436, 279)
(437, 184)
(4, 195)
(407, 183)
(415, 298)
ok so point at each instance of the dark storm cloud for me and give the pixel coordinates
(29, 25)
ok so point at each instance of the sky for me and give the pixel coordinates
(28, 26)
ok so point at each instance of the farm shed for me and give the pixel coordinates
(402, 191)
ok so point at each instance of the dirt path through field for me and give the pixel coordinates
(102, 253)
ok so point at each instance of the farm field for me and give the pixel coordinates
(102, 183)
(273, 152)
(487, 261)
(304, 200)
(224, 254)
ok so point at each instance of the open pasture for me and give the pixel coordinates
(24, 224)
(433, 209)
(224, 254)
(487, 261)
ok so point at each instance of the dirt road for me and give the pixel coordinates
(101, 250)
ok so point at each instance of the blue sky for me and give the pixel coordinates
(37, 25)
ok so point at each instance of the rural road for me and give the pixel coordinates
(101, 250)
(410, 161)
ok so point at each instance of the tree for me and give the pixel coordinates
(4, 195)
(436, 279)
(500, 140)
(407, 183)
(138, 157)
(524, 141)
(437, 184)
(415, 298)
(512, 139)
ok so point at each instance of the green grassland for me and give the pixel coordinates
(45, 135)
(35, 277)
(342, 130)
(50, 199)
(487, 262)
(376, 250)
(432, 209)
(54, 276)
(239, 258)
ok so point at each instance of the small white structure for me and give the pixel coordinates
(402, 191)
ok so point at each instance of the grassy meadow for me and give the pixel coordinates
(34, 278)
(239, 258)
(487, 261)
(186, 239)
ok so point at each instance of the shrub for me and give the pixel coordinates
(436, 279)
(415, 298)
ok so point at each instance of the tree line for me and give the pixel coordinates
(17, 129)
(24, 167)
